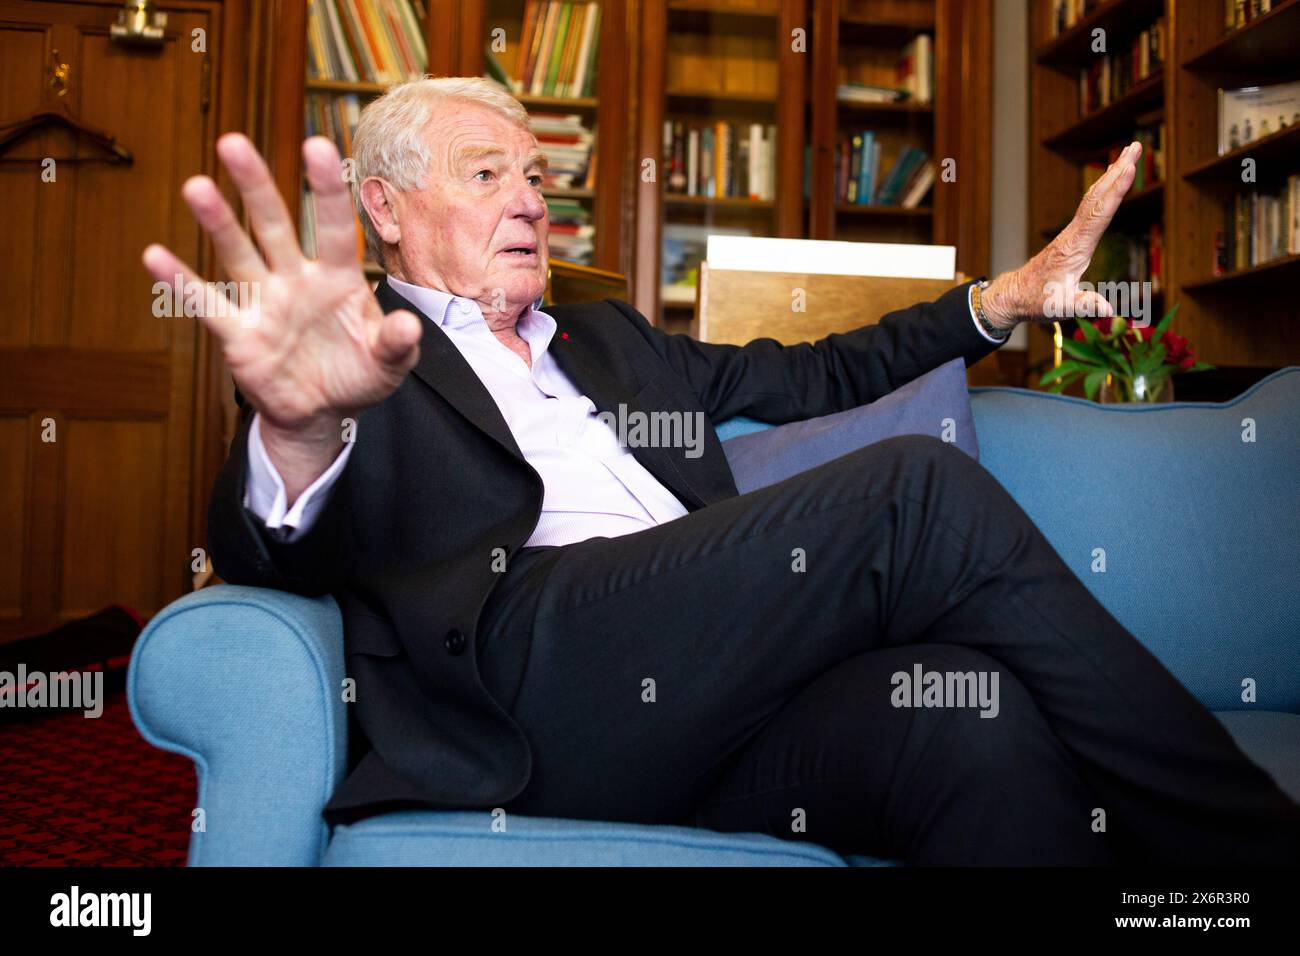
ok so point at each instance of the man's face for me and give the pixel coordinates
(482, 197)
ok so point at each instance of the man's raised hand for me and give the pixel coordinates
(311, 346)
(1025, 293)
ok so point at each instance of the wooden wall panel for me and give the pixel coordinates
(105, 513)
(13, 512)
(117, 85)
(113, 516)
(23, 50)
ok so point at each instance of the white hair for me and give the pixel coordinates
(390, 140)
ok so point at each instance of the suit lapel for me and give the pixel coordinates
(444, 369)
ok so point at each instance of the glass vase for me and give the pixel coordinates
(1117, 391)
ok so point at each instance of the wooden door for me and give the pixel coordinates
(97, 393)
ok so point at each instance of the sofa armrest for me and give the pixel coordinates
(247, 682)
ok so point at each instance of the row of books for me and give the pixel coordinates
(557, 53)
(1146, 253)
(307, 227)
(1265, 226)
(859, 179)
(371, 41)
(572, 234)
(1113, 75)
(335, 116)
(720, 159)
(1151, 167)
(570, 149)
(1066, 13)
(1240, 13)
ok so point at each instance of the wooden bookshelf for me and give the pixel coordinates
(709, 60)
(1247, 318)
(457, 33)
(703, 63)
(855, 40)
(732, 60)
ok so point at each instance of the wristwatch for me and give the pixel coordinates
(977, 300)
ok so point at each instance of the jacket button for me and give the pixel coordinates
(455, 641)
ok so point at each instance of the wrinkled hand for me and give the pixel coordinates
(1025, 293)
(310, 346)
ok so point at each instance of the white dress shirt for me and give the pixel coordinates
(593, 486)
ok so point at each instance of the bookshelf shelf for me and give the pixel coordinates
(759, 8)
(1201, 207)
(885, 29)
(1284, 269)
(884, 212)
(1139, 207)
(722, 96)
(739, 19)
(1120, 19)
(885, 112)
(1280, 147)
(345, 86)
(1106, 125)
(561, 193)
(726, 202)
(1268, 45)
(537, 101)
(1141, 203)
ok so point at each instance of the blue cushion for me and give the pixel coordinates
(937, 403)
(466, 838)
(1200, 529)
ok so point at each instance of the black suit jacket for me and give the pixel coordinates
(406, 539)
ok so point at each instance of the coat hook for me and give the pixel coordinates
(138, 24)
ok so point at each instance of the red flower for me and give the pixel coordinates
(1102, 326)
(1176, 350)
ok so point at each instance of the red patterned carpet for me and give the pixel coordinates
(91, 792)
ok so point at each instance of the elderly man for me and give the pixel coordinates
(541, 620)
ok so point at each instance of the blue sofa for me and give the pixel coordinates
(1201, 534)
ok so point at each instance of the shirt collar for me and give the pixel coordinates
(450, 311)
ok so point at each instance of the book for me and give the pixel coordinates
(1253, 112)
(371, 41)
(919, 185)
(914, 71)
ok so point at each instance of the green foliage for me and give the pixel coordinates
(1121, 354)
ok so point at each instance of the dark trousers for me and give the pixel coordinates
(735, 669)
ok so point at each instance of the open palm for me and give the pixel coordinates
(310, 345)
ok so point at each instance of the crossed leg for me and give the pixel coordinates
(639, 667)
(841, 766)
